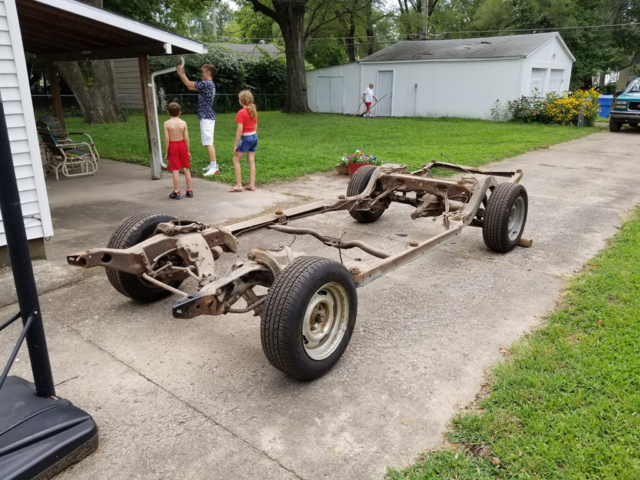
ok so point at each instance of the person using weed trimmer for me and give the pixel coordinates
(367, 97)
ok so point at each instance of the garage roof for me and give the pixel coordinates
(69, 30)
(511, 46)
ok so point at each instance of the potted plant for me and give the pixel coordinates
(357, 160)
(342, 167)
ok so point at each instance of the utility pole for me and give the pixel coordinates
(426, 15)
(214, 19)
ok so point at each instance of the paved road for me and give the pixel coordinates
(197, 398)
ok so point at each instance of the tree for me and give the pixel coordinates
(200, 26)
(172, 15)
(93, 81)
(414, 16)
(452, 15)
(299, 20)
(254, 26)
(289, 15)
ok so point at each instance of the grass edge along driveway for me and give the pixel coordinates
(294, 145)
(565, 404)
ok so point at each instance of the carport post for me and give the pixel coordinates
(151, 117)
(56, 99)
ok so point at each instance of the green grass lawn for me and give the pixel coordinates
(294, 145)
(566, 403)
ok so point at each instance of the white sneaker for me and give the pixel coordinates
(211, 171)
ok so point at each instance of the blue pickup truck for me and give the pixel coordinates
(626, 108)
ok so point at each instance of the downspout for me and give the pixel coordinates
(155, 103)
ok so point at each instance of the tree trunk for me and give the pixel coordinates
(350, 41)
(291, 22)
(94, 87)
(289, 15)
(369, 29)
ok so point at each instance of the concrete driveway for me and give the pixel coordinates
(197, 398)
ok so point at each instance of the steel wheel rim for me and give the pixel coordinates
(516, 219)
(325, 321)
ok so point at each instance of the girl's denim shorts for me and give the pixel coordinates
(248, 143)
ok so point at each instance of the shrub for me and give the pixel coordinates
(566, 110)
(266, 77)
(551, 108)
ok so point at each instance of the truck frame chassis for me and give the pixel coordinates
(149, 255)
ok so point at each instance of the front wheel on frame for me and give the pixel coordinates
(308, 317)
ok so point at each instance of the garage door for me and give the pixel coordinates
(537, 81)
(330, 94)
(555, 81)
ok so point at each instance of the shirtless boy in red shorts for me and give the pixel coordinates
(176, 144)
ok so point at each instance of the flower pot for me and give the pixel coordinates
(342, 169)
(355, 166)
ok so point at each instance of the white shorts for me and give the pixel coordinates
(206, 131)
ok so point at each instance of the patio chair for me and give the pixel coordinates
(62, 137)
(71, 158)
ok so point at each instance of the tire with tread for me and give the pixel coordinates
(284, 311)
(614, 126)
(357, 184)
(131, 231)
(495, 228)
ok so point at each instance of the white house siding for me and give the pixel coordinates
(550, 56)
(14, 88)
(128, 84)
(447, 88)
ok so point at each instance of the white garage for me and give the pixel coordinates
(438, 78)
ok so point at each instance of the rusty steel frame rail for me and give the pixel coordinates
(457, 202)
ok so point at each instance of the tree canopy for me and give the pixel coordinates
(172, 15)
(597, 50)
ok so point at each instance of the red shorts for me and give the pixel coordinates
(368, 104)
(178, 155)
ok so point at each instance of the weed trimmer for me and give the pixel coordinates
(377, 102)
(355, 114)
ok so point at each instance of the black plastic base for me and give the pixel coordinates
(40, 437)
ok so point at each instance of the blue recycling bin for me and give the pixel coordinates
(605, 102)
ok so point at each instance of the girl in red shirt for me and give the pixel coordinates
(246, 140)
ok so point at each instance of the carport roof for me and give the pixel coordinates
(66, 30)
(511, 46)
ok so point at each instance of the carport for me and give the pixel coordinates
(60, 31)
(67, 30)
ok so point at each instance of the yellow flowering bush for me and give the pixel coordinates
(566, 109)
(563, 109)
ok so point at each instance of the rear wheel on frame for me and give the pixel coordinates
(505, 217)
(357, 185)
